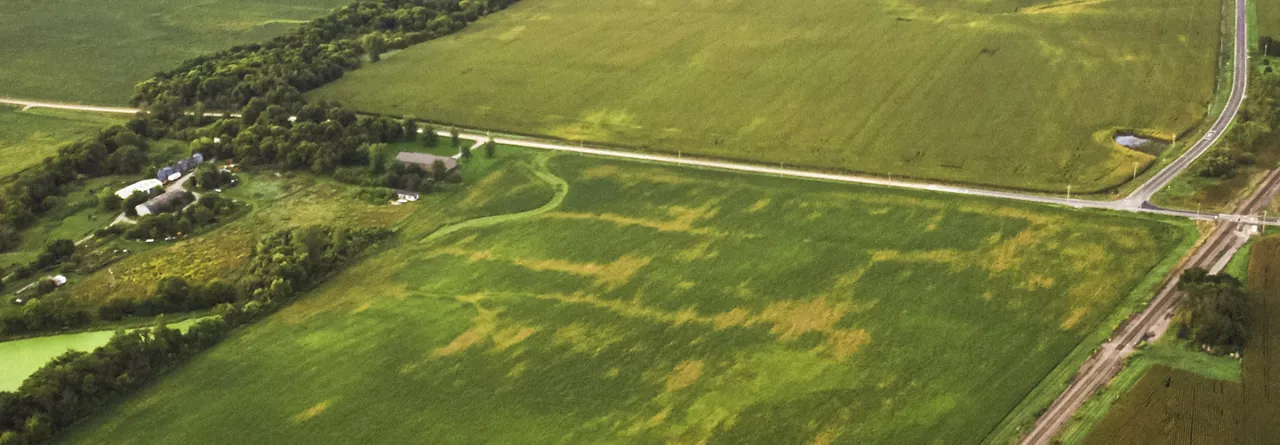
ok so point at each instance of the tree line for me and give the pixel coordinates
(78, 384)
(313, 54)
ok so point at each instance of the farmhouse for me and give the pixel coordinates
(145, 185)
(424, 161)
(163, 203)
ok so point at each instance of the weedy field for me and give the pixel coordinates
(27, 137)
(1013, 93)
(278, 203)
(578, 300)
(94, 52)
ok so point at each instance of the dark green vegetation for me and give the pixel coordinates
(76, 384)
(643, 304)
(1014, 93)
(1213, 311)
(1169, 406)
(95, 52)
(26, 137)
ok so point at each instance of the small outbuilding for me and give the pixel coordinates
(406, 195)
(425, 161)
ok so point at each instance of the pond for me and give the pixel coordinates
(1139, 143)
(21, 358)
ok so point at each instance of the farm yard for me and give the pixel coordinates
(1022, 94)
(94, 52)
(565, 299)
(27, 137)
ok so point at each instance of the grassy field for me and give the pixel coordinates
(1015, 93)
(608, 302)
(27, 137)
(94, 52)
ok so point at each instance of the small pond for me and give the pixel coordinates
(1139, 143)
(20, 358)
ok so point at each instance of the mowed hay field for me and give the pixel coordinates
(648, 304)
(1011, 93)
(95, 51)
(27, 137)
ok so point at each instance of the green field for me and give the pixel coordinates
(1012, 93)
(611, 302)
(27, 137)
(94, 52)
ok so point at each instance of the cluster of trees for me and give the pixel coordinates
(43, 314)
(1213, 311)
(208, 210)
(295, 260)
(77, 384)
(1253, 136)
(311, 55)
(209, 177)
(115, 150)
(173, 294)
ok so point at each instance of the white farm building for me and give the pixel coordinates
(145, 185)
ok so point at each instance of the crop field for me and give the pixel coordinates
(609, 302)
(1013, 93)
(27, 137)
(94, 52)
(1173, 406)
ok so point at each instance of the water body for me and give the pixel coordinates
(1131, 141)
(21, 358)
(1139, 143)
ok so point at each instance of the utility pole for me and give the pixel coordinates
(1135, 171)
(1068, 191)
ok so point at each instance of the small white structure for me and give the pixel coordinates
(141, 186)
(406, 195)
(58, 280)
(174, 177)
